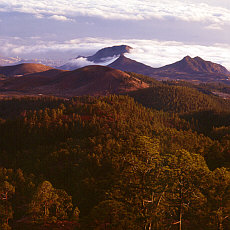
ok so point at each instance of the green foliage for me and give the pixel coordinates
(119, 164)
(6, 192)
(49, 203)
(111, 214)
(6, 212)
(5, 227)
(179, 99)
(149, 80)
(219, 197)
(187, 178)
(75, 215)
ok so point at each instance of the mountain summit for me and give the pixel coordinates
(196, 65)
(187, 65)
(114, 51)
(126, 64)
(188, 68)
(102, 57)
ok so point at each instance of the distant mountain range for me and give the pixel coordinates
(191, 69)
(9, 60)
(32, 78)
(6, 61)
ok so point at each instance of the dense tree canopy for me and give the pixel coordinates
(111, 163)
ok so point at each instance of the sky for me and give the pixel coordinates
(160, 31)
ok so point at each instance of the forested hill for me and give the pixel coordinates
(91, 162)
(179, 99)
(181, 96)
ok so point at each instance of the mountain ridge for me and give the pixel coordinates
(191, 69)
(126, 64)
(92, 80)
(195, 65)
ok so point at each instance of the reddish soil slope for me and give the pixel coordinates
(23, 69)
(90, 80)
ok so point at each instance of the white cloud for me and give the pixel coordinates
(82, 61)
(59, 18)
(79, 62)
(187, 10)
(151, 52)
(39, 16)
(158, 53)
(214, 26)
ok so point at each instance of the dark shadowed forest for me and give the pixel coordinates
(111, 163)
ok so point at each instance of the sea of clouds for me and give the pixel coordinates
(150, 52)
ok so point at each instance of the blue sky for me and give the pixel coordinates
(161, 31)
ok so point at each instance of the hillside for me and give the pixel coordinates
(94, 161)
(190, 69)
(23, 69)
(91, 80)
(195, 65)
(126, 64)
(194, 70)
(179, 99)
(29, 82)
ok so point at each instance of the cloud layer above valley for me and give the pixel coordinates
(161, 31)
(151, 52)
(190, 10)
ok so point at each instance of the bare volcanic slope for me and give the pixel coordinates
(195, 65)
(30, 81)
(193, 69)
(92, 80)
(23, 69)
(126, 64)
